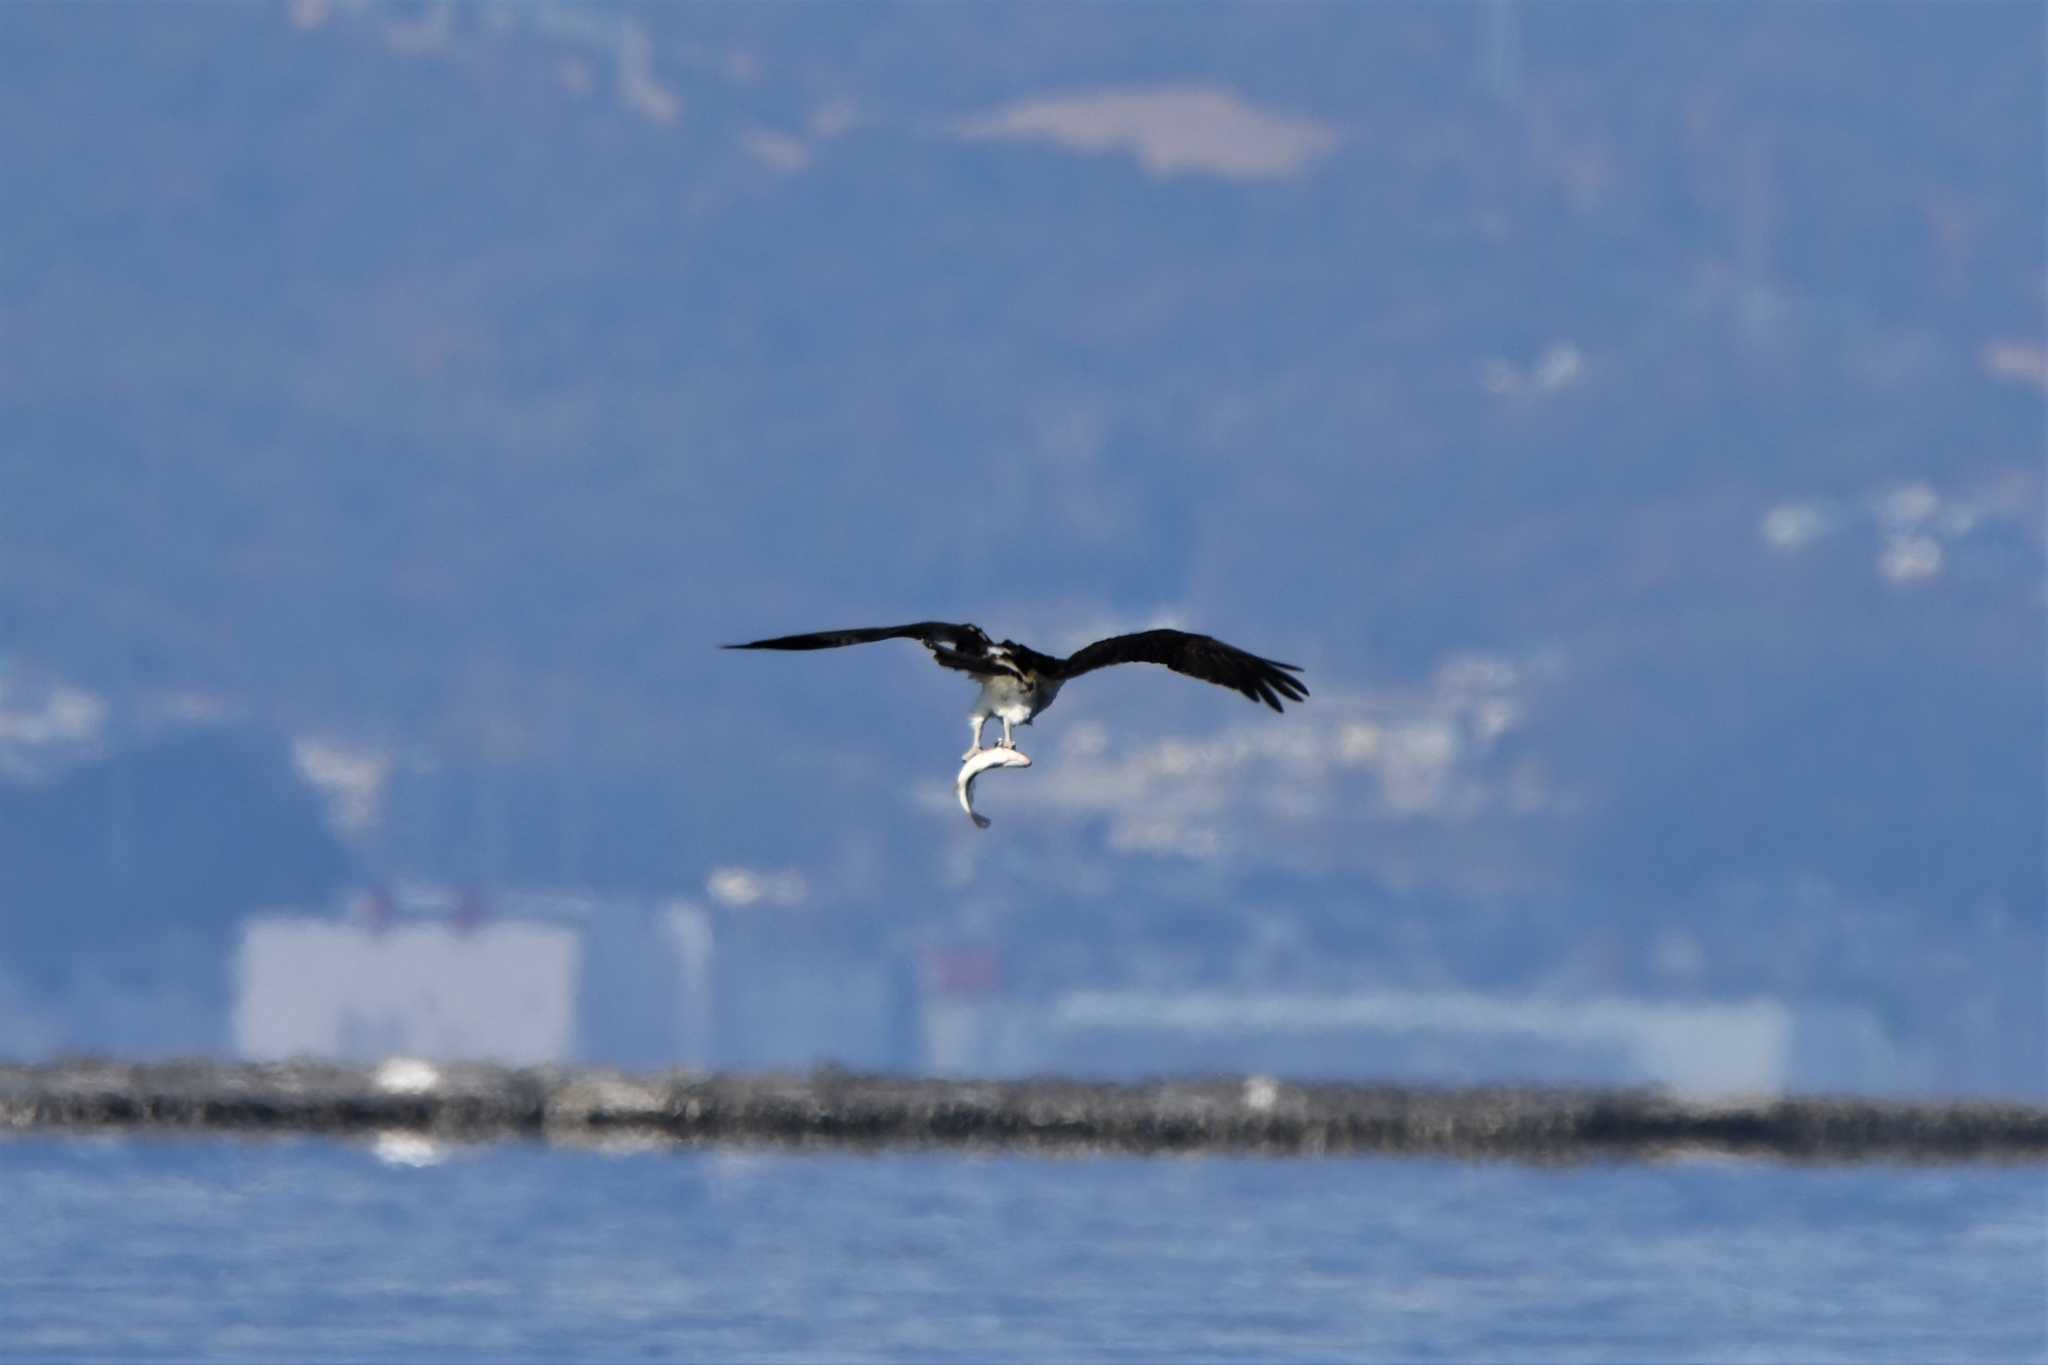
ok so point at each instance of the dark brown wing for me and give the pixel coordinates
(956, 646)
(1198, 656)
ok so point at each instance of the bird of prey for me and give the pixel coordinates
(1018, 682)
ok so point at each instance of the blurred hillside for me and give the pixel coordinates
(1632, 417)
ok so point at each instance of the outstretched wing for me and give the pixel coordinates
(1198, 656)
(964, 647)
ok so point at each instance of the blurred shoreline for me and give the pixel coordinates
(829, 1108)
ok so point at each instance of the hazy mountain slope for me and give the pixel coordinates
(455, 378)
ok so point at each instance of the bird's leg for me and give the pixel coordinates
(1008, 740)
(976, 721)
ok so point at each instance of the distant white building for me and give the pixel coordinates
(351, 991)
(533, 978)
(649, 985)
(1702, 1048)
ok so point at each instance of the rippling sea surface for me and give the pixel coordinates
(150, 1249)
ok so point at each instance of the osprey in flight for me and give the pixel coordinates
(1018, 682)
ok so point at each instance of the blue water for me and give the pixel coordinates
(308, 1250)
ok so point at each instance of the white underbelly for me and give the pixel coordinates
(1013, 700)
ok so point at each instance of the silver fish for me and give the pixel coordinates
(979, 763)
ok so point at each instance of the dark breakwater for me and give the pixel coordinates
(477, 1102)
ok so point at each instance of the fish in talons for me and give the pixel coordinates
(978, 763)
